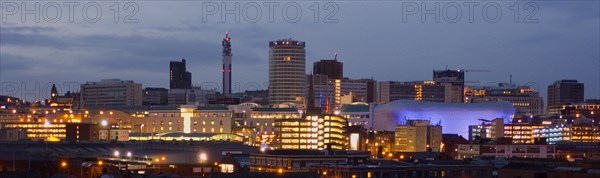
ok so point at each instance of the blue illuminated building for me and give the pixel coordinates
(453, 117)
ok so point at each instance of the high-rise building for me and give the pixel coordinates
(111, 92)
(418, 136)
(454, 81)
(313, 132)
(333, 69)
(416, 90)
(526, 101)
(179, 77)
(287, 76)
(564, 92)
(226, 70)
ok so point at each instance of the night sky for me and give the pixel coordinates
(550, 40)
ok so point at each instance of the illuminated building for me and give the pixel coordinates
(453, 117)
(357, 114)
(179, 77)
(111, 92)
(263, 119)
(287, 75)
(580, 130)
(521, 133)
(49, 131)
(453, 82)
(380, 143)
(418, 136)
(179, 136)
(313, 132)
(58, 101)
(214, 119)
(226, 69)
(189, 119)
(506, 151)
(248, 119)
(493, 130)
(519, 130)
(526, 101)
(328, 93)
(564, 92)
(417, 90)
(589, 109)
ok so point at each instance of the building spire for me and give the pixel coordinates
(226, 69)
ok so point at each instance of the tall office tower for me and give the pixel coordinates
(564, 92)
(454, 81)
(179, 77)
(226, 70)
(111, 92)
(331, 68)
(418, 136)
(287, 76)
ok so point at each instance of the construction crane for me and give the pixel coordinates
(484, 121)
(472, 70)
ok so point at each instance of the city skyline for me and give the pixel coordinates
(416, 48)
(309, 89)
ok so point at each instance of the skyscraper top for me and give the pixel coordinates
(179, 77)
(226, 45)
(286, 42)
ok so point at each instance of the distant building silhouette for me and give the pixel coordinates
(226, 70)
(333, 69)
(179, 78)
(565, 92)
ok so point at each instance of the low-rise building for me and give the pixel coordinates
(283, 161)
(506, 151)
(418, 136)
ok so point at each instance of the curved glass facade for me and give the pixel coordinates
(453, 117)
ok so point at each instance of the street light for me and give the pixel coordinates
(63, 164)
(116, 153)
(140, 138)
(203, 157)
(104, 123)
(129, 154)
